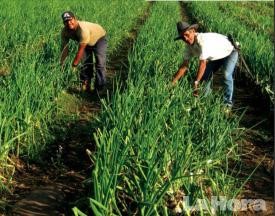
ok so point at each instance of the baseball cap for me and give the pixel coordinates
(67, 15)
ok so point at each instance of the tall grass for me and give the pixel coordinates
(155, 140)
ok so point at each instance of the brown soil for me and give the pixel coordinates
(51, 186)
(256, 147)
(256, 165)
(48, 187)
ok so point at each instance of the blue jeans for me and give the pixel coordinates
(228, 63)
(87, 69)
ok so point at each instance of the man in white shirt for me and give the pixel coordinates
(214, 51)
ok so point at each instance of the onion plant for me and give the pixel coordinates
(33, 81)
(156, 139)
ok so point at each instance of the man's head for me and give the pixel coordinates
(69, 20)
(186, 32)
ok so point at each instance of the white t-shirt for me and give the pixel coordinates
(209, 46)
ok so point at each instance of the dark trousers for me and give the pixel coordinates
(98, 51)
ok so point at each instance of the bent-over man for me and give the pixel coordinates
(213, 51)
(92, 42)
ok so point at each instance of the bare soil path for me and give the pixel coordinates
(257, 146)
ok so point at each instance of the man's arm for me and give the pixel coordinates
(64, 54)
(181, 71)
(201, 69)
(64, 47)
(79, 54)
(200, 72)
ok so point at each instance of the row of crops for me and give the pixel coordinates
(156, 141)
(33, 81)
(255, 33)
(250, 18)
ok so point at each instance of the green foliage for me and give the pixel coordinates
(155, 139)
(30, 50)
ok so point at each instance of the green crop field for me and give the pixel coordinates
(153, 140)
(30, 51)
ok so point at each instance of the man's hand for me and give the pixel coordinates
(196, 88)
(174, 82)
(181, 72)
(79, 54)
(74, 68)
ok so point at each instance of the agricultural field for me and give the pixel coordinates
(33, 79)
(146, 147)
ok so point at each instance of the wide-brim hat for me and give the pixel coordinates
(183, 27)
